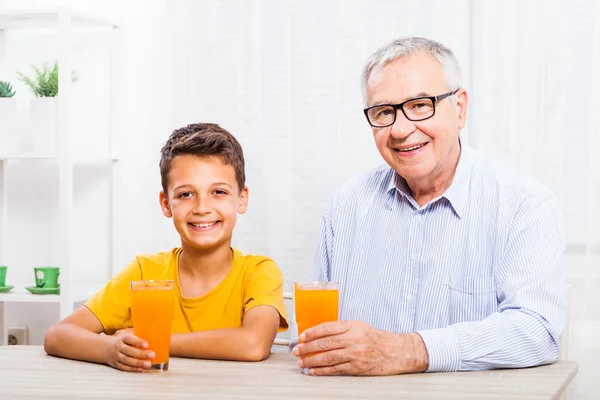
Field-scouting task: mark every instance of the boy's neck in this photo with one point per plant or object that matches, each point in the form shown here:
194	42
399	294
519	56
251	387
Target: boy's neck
205	265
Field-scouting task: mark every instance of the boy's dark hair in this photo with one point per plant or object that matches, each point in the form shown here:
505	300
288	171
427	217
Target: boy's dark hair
203	140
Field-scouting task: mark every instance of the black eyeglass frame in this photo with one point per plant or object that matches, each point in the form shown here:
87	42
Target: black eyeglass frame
434	100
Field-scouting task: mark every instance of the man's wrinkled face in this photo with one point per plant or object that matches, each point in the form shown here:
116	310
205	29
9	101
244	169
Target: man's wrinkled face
418	151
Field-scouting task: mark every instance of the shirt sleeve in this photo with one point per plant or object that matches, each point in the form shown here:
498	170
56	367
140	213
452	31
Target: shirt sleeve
530	288
265	287
112	304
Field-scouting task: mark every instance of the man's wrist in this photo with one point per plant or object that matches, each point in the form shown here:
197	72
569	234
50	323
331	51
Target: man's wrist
419	352
411	354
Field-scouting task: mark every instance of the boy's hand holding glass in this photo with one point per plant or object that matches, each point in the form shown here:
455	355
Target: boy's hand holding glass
128	352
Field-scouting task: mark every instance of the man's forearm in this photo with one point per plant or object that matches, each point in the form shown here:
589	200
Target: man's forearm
221	344
511	339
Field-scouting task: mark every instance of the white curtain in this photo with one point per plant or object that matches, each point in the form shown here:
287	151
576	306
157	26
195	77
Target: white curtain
283	76
535	85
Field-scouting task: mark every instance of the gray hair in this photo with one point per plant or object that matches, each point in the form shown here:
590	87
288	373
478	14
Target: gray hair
406	46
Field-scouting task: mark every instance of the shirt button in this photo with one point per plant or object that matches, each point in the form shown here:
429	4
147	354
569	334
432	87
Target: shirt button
413	257
409	297
418	217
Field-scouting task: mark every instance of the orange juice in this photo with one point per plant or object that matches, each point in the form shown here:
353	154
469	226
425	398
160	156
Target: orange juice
315	303
152	305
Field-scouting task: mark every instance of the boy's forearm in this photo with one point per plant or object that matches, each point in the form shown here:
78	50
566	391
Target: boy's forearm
221	344
72	341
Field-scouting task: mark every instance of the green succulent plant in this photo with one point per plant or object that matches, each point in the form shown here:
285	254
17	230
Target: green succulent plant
6	89
44	83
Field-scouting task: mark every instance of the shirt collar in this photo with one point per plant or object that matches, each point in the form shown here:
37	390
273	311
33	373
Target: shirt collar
398	183
456	194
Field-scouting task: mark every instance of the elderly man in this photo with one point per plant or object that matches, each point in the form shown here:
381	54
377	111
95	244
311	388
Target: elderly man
445	260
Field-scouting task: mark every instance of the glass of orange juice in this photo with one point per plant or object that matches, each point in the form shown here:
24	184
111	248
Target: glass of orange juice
315	303
152	305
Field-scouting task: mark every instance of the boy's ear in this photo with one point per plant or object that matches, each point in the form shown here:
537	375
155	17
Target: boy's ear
164	204
243	201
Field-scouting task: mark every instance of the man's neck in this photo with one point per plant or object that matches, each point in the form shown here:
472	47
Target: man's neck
425	190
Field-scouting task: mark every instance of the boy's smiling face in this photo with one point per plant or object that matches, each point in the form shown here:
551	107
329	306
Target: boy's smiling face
203	199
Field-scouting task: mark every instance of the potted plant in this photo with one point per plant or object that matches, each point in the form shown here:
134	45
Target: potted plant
8	111
6	90
44	85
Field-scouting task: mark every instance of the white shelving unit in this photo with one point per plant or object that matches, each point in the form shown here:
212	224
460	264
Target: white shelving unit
64	23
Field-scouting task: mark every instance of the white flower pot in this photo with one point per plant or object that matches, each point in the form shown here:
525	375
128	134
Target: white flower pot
8	122
43	119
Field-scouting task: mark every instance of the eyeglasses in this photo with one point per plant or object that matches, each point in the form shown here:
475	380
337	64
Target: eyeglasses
418	109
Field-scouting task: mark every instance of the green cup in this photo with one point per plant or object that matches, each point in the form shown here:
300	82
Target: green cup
3	269
46	277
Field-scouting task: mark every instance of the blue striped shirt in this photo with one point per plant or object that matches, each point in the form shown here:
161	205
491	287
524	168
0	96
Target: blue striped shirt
477	272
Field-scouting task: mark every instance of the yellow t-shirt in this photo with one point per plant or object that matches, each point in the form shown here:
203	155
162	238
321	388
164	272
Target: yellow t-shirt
252	281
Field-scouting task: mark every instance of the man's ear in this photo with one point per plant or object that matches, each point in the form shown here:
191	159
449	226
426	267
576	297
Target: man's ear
243	201
462	100
164	204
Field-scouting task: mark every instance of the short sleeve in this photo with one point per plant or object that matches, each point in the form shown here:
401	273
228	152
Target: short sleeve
112	304
264	287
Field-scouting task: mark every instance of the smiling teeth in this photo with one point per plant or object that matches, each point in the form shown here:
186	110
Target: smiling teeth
204	225
412	148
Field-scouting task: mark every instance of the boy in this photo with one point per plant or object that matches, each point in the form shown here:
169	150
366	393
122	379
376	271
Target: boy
228	305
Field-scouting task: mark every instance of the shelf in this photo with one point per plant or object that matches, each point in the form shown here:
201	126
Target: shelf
48	17
60	25
78	159
94	158
21	295
28	156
